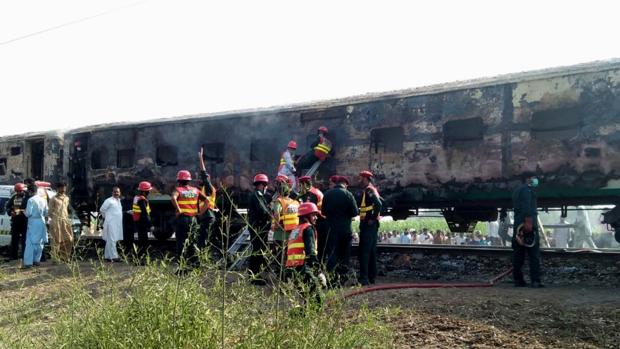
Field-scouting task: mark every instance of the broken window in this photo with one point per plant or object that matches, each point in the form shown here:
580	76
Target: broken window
560	123
214	152
387	140
16	151
463	130
125	158
99	159
2	166
166	155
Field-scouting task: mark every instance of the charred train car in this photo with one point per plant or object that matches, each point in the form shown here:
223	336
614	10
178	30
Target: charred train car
456	147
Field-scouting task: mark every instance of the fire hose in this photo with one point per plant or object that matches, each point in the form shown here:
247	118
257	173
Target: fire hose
490	283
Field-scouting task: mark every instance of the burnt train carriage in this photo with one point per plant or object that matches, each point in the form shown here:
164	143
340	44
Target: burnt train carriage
456	147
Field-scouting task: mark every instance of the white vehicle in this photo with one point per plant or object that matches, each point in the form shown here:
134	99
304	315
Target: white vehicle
6	191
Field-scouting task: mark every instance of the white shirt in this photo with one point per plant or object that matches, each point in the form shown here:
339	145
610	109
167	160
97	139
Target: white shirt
493	229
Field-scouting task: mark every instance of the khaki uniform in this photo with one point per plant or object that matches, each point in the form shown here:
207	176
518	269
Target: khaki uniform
60	232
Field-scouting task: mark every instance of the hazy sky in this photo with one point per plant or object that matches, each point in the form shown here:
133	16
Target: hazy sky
156	58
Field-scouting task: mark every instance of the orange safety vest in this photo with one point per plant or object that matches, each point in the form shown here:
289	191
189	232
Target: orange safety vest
319	196
135	208
367	208
210	198
295	251
188	200
322	149
288	214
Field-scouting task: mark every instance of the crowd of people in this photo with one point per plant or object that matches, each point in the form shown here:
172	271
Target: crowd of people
438	237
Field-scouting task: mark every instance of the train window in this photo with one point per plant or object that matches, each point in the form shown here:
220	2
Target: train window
167	155
2	166
125	158
98	159
560	123
471	129
258	150
387	140
214	152
16	151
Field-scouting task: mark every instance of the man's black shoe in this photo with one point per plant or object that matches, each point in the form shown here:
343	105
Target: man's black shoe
537	284
258	282
520	284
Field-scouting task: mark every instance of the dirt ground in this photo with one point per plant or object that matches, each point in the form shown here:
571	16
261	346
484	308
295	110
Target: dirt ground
559	316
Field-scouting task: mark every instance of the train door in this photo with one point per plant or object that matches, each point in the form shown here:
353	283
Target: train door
386	147
36	148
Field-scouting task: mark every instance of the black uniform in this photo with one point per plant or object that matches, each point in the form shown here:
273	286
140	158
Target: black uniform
525	205
19	224
128	225
369	228
339	207
259	218
207	219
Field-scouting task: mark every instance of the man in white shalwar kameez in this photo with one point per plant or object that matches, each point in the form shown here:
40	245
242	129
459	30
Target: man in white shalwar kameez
112	212
36	234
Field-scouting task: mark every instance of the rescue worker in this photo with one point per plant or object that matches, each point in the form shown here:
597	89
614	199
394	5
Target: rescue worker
370	210
60	231
525	238
284	215
36	234
301	254
185	200
259	219
287	163
206	211
582	230
16	207
321	148
141	211
339	208
309	193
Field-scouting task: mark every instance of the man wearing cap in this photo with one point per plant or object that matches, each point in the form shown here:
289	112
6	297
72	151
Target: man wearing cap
309	193
525	238
141	211
185	199
284	214
301	253
320	149
287	163
259	218
370	209
339	208
15	207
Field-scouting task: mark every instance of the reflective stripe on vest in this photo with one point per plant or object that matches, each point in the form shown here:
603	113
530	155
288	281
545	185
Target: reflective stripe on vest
188	200
135	208
210	198
288	213
363	207
323	148
319	197
295	251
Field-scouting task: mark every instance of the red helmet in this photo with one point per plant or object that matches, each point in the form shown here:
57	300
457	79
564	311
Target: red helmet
323	129
261	178
307	208
184	175
292	145
282	179
334	178
366	174
343	179
144	186
19	187
42	184
304	179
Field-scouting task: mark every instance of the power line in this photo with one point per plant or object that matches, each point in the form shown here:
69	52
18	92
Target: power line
71	23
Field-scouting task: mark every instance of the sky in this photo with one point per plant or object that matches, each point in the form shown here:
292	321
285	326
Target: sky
72	63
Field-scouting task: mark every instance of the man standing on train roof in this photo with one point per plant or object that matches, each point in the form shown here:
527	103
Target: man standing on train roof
301	252
284	214
339	208
16	207
206	211
370	210
141	211
309	193
259	219
185	200
526	238
287	163
320	149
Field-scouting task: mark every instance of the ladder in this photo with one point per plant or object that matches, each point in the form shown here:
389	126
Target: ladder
239	250
313	168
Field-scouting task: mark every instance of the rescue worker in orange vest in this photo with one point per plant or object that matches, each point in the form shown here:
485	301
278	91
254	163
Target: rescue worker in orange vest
287	163
320	149
141	211
206	211
309	193
301	254
185	200
370	209
284	214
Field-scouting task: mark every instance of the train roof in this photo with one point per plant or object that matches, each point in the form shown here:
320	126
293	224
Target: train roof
596	66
